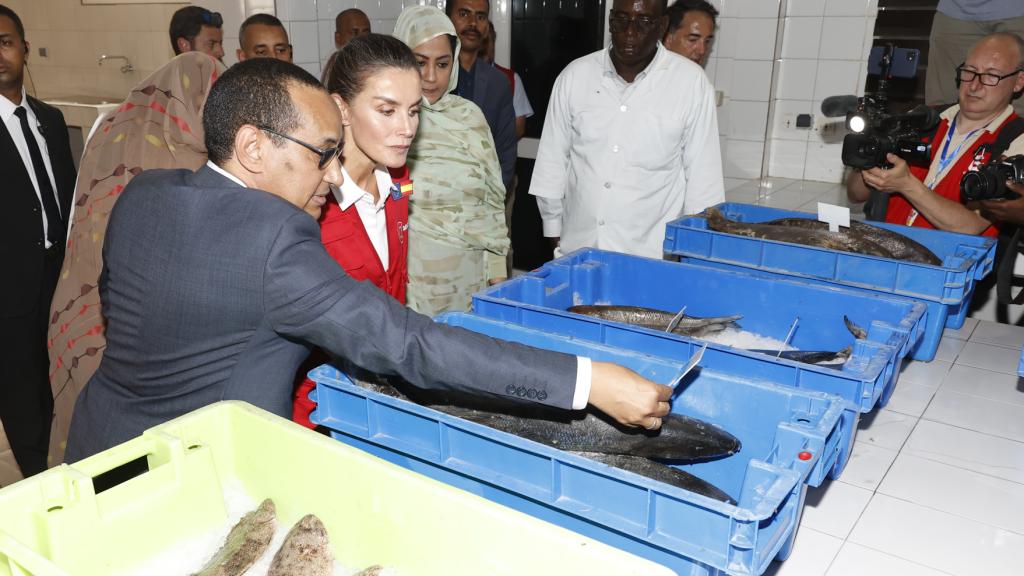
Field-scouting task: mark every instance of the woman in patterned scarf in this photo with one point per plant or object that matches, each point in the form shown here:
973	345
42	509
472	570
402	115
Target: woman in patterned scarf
457	233
158	126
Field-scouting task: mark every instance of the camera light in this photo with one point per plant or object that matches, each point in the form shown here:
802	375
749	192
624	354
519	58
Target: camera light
856	124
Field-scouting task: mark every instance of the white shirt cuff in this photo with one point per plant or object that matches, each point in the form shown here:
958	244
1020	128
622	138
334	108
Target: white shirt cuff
584	371
552	228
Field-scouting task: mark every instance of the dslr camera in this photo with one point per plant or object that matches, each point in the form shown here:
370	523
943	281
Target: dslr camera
989	181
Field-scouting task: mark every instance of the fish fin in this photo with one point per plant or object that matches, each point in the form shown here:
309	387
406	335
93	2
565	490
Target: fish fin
858	332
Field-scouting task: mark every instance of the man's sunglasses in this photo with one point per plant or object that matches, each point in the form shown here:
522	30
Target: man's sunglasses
212	18
326	154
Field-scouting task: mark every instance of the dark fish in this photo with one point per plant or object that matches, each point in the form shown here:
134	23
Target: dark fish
811	356
246	542
844	240
900	246
821	357
662	473
305	551
656	319
680	438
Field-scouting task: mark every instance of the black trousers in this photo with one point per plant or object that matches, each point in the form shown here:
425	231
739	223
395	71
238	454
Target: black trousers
26	402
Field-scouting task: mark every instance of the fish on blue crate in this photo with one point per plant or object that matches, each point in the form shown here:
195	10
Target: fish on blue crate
540	300
944	283
786	437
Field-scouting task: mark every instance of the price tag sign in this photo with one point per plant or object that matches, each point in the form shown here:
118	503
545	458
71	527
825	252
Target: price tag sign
834	216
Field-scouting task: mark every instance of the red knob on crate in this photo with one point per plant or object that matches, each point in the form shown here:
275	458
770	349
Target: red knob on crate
805	455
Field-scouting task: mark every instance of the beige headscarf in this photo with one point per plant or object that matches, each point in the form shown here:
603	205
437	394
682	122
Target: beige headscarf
457	233
418	24
159	125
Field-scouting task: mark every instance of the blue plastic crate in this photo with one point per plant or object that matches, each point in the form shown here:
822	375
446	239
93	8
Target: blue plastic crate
1020	365
787	436
591	276
945	289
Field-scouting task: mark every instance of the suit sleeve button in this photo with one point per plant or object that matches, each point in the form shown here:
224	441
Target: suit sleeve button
542	395
531	393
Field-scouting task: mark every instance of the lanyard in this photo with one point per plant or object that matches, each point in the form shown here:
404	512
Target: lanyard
944	160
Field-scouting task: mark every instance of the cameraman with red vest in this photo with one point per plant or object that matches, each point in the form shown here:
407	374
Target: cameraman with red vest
970	134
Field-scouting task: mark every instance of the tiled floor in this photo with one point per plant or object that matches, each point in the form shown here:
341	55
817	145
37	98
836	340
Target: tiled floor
935	484
787	194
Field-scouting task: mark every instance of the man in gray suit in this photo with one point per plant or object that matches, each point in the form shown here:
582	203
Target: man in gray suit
215	282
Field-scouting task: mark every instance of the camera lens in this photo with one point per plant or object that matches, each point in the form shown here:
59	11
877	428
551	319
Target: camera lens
982	185
971	185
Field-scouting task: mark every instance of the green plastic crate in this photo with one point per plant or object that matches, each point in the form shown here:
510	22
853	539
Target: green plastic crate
375	512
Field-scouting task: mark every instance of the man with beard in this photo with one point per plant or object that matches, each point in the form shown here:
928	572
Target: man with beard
480	83
630	141
196	29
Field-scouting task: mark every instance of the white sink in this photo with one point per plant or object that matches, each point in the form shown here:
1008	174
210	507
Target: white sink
82	100
81	110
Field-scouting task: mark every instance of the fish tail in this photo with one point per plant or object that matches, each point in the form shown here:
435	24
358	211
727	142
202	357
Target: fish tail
858	332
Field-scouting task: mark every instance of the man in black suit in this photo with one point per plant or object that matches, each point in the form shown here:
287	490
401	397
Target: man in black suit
215	282
38	176
481	83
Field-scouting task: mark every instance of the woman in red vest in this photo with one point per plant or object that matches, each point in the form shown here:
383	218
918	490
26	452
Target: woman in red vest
375	81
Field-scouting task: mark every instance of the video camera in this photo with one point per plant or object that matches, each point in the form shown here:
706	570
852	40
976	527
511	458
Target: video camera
874	132
989	181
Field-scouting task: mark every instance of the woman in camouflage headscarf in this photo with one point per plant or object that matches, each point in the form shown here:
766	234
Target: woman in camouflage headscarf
457	233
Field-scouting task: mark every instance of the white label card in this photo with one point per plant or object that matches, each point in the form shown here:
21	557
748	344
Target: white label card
834	216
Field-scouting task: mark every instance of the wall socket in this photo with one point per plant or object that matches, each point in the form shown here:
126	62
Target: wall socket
43	52
798	121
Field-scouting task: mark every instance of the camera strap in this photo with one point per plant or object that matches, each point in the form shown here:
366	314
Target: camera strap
1010	237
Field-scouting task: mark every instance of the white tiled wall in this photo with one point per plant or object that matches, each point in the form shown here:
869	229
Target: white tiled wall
824	53
234	13
740	66
75	35
310	24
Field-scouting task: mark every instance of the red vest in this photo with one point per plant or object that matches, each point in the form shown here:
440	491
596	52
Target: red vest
949	186
346	240
508	74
